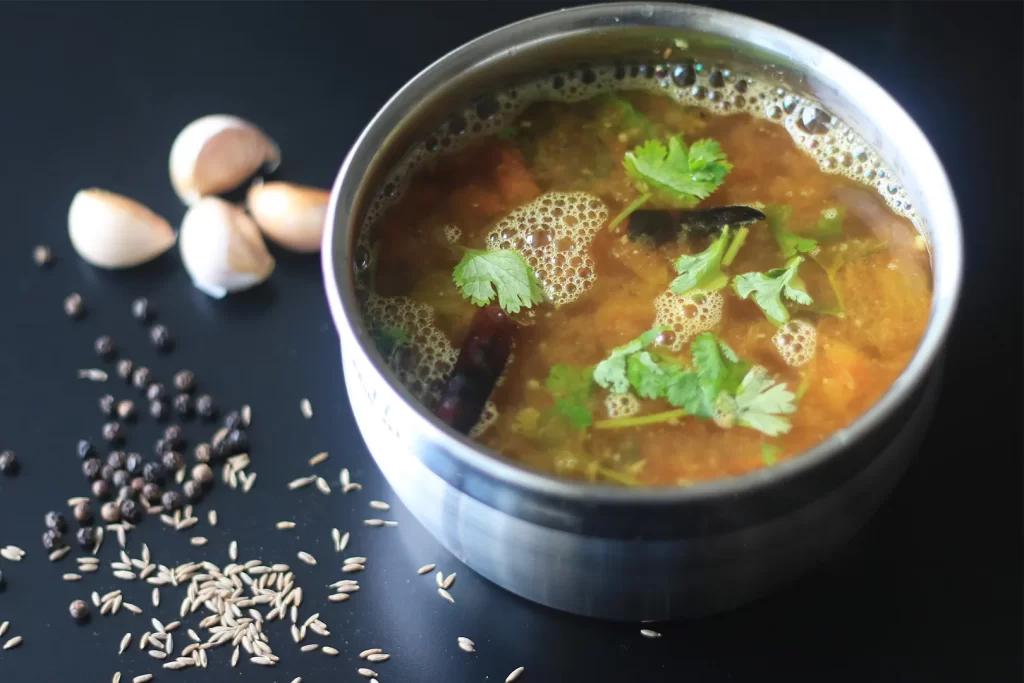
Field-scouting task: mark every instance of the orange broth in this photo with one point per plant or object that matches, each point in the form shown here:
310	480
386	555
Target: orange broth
885	289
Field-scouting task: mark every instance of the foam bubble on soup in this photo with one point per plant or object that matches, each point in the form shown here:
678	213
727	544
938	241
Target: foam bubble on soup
553	233
686	315
423	365
452	233
621	405
796	341
487	418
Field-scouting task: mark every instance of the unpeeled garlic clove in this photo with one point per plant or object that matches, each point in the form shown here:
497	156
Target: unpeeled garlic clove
222	248
110	230
217	153
291	215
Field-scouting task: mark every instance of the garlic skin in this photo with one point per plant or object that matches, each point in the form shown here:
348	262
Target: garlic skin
109	230
293	216
217	153
222	248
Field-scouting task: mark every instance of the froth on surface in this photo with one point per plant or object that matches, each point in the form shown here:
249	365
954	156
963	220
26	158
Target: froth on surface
553	233
797	342
487	418
424	365
686	315
621	405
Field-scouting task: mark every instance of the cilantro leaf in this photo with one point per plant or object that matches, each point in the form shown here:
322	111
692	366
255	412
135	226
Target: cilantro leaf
830	224
611	372
770	453
683	390
388	339
645	375
761	403
769	288
578	415
570	385
703	270
482	274
684	176
790	244
718	370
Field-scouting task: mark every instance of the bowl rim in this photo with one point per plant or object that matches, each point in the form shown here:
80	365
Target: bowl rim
467	453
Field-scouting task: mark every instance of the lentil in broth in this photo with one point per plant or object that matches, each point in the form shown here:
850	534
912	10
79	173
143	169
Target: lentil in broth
881	284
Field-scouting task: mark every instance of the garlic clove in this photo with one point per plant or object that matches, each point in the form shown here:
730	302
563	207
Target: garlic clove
222	248
217	153
110	230
291	215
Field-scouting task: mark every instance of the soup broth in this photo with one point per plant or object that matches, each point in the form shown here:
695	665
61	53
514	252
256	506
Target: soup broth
548	185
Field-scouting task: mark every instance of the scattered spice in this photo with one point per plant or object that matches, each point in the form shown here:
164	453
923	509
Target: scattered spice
155	391
141	377
79	610
104	346
182	405
9	464
74	305
126	410
158	410
125	367
141	309
111	512
205	407
106	404
113	432
42	256
83	512
86	537
160	337
306	407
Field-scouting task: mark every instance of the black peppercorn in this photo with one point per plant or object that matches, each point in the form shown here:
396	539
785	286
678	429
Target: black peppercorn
83	513
52	540
101	489
91	468
107	404
173	435
232	420
55	520
107	473
158	410
202	474
125	493
172	460
120	478
124	369
133	463
151	492
182	405
237	440
104	346
9	463
74	305
203	452
117	459
142	377
160	337
155	391
171	500
140	309
112	432
185	380
125	410
130	510
193	491
153	473
79	610
221	449
111	512
204	407
137	484
86	537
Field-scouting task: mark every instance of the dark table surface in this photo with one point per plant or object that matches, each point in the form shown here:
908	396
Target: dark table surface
93	94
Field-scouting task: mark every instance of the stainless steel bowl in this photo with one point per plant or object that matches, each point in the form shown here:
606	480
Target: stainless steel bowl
651	553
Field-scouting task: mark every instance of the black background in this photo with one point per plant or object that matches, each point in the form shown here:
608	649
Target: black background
93	95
